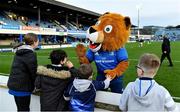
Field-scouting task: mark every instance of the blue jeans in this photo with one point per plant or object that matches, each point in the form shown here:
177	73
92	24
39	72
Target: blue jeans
116	85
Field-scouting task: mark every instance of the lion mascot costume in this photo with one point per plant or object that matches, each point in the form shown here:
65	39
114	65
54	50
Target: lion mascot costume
107	39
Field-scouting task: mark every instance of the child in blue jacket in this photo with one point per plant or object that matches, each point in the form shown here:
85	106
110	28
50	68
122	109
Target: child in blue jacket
82	91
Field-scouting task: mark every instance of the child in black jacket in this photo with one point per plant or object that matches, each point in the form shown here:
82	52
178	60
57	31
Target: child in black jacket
52	80
23	72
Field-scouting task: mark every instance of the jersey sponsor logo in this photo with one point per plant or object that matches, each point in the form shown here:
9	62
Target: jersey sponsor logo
104	61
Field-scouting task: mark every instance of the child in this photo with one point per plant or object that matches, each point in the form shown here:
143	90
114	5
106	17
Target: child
23	72
82	91
53	83
145	94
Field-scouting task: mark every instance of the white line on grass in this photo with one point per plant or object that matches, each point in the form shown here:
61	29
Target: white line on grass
3	74
177	61
165	60
177	98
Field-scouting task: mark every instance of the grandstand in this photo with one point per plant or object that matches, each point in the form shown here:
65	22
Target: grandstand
173	34
54	22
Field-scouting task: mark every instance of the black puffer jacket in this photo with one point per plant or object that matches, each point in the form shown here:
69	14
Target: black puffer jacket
52	81
166	46
23	70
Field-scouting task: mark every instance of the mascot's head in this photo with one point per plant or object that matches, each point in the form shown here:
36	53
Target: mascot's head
110	32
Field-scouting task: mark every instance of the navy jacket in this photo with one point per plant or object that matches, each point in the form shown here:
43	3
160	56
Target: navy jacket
23	70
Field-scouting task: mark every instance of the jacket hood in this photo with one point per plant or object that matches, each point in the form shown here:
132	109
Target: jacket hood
81	84
41	70
142	91
23	49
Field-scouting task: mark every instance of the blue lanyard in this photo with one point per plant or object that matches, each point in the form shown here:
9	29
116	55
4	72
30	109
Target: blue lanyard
147	89
140	88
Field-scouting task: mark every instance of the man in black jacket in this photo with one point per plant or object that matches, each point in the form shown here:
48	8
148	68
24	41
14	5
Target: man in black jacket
166	51
23	72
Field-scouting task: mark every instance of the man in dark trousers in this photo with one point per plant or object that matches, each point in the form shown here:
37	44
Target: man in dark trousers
166	51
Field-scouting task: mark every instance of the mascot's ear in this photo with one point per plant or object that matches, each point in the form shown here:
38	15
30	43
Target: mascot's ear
127	22
106	13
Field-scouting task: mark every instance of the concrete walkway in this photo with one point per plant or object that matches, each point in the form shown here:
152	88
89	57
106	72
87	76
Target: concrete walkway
7	102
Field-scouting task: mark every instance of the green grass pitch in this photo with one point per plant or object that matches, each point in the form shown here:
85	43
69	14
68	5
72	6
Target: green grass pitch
169	77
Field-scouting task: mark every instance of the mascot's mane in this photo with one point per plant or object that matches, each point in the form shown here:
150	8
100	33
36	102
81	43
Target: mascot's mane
120	31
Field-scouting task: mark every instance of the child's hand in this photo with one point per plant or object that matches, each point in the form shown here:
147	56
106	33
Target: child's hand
69	64
108	77
111	73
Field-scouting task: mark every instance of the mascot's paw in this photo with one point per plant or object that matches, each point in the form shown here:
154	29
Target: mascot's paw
111	73
81	54
83	60
80	50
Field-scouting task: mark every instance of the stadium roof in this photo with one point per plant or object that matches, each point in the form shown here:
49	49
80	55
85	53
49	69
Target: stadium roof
55	2
49	9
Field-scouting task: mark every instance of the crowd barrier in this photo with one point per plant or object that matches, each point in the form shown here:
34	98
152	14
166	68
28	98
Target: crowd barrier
105	101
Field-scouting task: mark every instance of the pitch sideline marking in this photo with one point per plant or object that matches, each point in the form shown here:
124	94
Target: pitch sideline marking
177	61
3	74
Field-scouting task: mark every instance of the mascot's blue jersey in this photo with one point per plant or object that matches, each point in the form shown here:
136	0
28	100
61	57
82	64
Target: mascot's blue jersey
107	60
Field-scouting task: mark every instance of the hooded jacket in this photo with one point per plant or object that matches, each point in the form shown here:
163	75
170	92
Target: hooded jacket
23	70
146	94
52	81
82	93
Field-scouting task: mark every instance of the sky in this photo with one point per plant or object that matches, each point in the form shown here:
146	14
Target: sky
151	12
